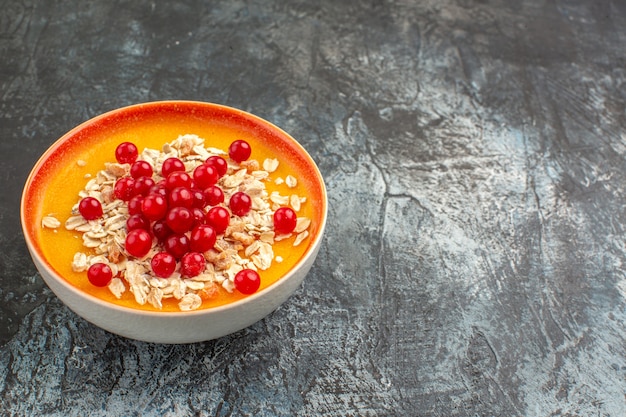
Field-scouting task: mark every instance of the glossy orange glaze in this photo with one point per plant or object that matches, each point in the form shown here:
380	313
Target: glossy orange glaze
57	178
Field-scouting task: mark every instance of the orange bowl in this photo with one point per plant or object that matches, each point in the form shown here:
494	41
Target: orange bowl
56	178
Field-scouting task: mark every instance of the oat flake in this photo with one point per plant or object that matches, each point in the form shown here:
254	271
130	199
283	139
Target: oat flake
50	222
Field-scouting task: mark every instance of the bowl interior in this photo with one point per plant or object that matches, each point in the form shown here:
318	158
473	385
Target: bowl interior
161	122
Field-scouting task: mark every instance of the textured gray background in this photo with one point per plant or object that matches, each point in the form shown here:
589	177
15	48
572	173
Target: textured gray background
475	158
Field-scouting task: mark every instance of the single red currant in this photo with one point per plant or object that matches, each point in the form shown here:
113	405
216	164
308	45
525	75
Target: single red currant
124	188
180	197
171	165
247	281
199	216
218	218
219	163
137	221
240	203
205	175
179	219
285	220
161	230
192	264
178	179
159	188
214	195
154	207
126	153
239	150
90	208
99	274
138	243
142	186
202	238
177	245
141	169
163	264
199	200
134	205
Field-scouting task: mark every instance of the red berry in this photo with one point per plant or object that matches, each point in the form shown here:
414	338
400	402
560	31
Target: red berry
142	186
138	243
218	218
214	195
285	220
126	153
90	208
192	264
205	175
239	150
240	203
141	169
161	230
171	165
199	200
124	188
134	205
159	188
179	219
154	207
247	281
219	163
177	245
163	264
178	179
181	197
199	216
202	238
99	274
137	221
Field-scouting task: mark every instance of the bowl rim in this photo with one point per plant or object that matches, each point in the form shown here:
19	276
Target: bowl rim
35	252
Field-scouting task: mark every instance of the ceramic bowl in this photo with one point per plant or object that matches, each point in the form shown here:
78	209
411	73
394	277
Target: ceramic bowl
174	326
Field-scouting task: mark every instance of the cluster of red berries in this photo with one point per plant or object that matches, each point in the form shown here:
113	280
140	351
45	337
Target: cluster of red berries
184	212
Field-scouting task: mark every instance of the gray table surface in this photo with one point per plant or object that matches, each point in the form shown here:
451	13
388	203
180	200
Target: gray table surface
475	159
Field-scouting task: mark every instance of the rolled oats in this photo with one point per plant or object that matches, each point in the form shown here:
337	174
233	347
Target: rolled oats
116	170
140	292
300	238
302	223
154	297
281	200
270	164
251	165
88	242
50	222
74	221
262	259
194	285
291	181
246	243
191	301
117	287
267	237
283	236
80	262
232	181
228	285
294	202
